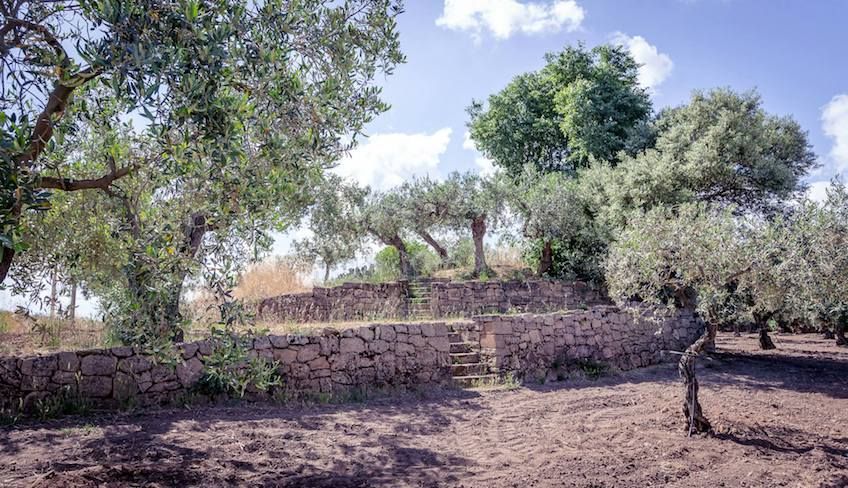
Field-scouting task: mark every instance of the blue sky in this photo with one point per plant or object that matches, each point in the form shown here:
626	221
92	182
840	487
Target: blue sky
793	52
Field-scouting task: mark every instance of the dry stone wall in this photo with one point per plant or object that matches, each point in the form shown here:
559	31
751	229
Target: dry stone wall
358	301
467	298
533	344
377	356
400	355
351	301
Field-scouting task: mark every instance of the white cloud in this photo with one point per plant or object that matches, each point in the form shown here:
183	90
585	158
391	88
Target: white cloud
817	190
835	125
387	160
504	18
655	66
485	166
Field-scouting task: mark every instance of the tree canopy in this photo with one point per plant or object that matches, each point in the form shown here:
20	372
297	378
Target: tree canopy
584	104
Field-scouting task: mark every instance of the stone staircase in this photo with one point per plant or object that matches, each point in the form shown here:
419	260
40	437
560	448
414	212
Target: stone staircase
419	300
467	368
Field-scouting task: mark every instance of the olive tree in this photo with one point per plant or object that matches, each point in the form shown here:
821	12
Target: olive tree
247	103
694	256
334	221
426	204
224	83
549	209
381	220
477	204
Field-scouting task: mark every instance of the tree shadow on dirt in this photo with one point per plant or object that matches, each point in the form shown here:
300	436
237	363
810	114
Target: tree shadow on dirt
764	372
167	447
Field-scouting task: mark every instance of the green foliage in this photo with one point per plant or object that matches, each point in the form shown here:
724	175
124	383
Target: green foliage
230	151
386	262
334	221
66	401
583	105
720	148
230	370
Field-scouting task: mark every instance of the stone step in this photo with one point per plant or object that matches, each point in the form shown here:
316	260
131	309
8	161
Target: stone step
475	381
470	369
465	357
458	347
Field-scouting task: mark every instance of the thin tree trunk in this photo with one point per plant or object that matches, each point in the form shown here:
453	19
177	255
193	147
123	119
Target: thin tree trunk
72	308
440	250
478	232
53	281
694	416
546	261
6	261
326	272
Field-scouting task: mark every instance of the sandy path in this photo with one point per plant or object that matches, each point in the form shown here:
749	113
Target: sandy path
781	420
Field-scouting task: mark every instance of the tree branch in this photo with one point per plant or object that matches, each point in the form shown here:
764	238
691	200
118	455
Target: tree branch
70	184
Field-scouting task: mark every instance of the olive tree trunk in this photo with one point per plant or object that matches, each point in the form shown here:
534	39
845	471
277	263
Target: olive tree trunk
478	232
546	261
761	320
692	412
407	270
440	250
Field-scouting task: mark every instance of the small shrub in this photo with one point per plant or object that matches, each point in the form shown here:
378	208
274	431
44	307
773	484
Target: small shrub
64	402
229	370
593	369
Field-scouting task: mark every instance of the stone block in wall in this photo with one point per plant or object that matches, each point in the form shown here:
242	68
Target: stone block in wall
98	365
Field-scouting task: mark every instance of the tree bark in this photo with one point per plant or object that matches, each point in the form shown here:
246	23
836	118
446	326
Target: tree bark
440	250
326	272
407	270
839	333
6	261
761	320
546	261
692	412
72	308
53	280
478	232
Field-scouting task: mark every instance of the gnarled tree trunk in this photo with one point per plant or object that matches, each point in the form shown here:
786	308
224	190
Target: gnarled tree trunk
695	419
407	270
440	250
761	320
839	333
546	261
478	231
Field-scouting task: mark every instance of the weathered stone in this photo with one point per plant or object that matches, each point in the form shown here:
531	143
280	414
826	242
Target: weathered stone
189	372
124	386
285	356
39	366
95	386
162	373
122	351
135	364
351	345
68	361
319	363
308	353
366	333
261	342
98	365
188	350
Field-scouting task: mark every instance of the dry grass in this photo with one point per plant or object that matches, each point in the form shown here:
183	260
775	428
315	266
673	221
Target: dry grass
283	328
271	278
21	336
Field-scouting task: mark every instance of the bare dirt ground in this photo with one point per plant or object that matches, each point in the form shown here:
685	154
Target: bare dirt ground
781	419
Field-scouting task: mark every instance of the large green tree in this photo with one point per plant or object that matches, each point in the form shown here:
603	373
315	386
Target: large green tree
247	103
584	104
224	82
722	147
